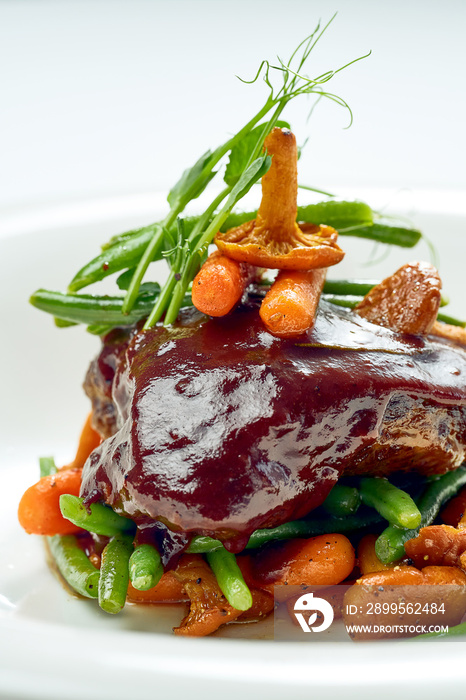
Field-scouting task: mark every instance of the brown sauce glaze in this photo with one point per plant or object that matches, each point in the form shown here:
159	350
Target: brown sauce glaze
222	429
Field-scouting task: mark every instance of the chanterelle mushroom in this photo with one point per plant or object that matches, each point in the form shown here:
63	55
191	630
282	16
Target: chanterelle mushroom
274	239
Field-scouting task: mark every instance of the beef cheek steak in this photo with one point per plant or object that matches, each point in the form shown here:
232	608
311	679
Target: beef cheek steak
215	427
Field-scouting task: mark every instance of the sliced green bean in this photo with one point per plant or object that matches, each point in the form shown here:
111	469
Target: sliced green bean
145	567
98	518
390	544
392	503
114	574
47	466
230	579
295	529
342	500
74	565
90	309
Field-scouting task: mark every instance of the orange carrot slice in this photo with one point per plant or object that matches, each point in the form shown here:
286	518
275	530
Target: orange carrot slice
39	509
290	305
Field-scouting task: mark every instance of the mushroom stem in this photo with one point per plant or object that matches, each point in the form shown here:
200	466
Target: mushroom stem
273	239
278	209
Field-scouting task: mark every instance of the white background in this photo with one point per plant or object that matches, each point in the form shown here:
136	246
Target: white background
115	97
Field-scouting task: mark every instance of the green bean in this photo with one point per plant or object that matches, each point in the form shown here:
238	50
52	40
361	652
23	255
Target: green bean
61	323
392	503
203	544
339	214
351	300
348	223
313	527
294	529
353	290
356	287
98	518
145	234
114	574
99	329
347	300
455	631
451	320
342	500
118	257
90	309
74	565
333	213
124	252
47	466
145	567
385	233
390	544
230	579
350	218
137	237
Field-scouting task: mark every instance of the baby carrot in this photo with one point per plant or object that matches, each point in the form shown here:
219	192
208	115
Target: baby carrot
220	283
39	509
88	441
167	590
367	557
455	509
289	306
445	330
324	560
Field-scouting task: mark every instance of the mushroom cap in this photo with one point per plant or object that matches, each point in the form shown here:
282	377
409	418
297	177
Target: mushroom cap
306	247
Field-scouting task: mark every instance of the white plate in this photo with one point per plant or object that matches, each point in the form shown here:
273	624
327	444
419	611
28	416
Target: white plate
53	645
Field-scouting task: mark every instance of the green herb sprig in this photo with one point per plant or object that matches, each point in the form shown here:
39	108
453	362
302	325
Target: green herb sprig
246	166
183	241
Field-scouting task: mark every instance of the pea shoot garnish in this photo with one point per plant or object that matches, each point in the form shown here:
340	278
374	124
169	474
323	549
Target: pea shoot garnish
183	241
